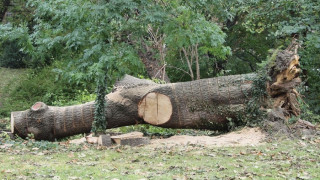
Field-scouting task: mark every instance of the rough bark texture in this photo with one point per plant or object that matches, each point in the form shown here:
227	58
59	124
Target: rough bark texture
202	104
3	8
50	122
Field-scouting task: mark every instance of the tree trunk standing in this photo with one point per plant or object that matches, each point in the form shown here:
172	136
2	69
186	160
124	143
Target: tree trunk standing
201	104
153	67
189	62
4	4
197	61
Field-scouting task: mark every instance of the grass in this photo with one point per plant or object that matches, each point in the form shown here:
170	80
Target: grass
298	159
9	77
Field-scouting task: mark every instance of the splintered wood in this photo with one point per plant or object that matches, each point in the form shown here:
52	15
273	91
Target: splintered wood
155	108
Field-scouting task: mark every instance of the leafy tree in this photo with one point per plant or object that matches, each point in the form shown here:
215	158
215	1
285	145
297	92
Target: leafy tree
79	32
11	56
285	19
192	34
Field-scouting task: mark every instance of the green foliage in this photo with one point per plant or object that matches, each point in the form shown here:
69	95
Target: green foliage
287	18
190	28
258	94
41	145
253	115
79	32
17	12
194	39
15	44
148	130
155	131
100	122
311	64
4	123
11	56
43	85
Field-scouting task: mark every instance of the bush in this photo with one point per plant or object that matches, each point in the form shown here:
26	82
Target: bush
43	85
11	56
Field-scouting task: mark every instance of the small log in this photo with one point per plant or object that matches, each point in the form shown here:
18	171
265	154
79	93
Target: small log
104	140
119	138
91	139
135	141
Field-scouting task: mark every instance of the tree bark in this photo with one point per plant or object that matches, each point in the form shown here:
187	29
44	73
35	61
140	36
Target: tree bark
204	104
4	4
201	104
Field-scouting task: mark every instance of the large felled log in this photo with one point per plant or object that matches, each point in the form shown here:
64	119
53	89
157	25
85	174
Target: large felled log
203	104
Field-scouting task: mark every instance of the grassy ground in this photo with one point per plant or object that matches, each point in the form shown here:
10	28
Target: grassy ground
287	159
8	79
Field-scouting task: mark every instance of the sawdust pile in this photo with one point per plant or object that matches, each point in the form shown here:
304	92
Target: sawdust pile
244	137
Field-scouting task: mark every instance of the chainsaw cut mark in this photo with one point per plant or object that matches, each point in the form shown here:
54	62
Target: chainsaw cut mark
155	108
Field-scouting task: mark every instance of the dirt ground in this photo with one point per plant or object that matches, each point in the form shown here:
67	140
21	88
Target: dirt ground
244	137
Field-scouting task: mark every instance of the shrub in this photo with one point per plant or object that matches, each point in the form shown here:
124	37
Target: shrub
43	85
11	56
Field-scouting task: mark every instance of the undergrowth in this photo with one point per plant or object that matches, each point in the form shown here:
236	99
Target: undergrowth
154	131
42	85
258	97
258	94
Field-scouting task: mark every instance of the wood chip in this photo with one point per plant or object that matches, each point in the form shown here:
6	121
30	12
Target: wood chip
78	141
104	140
91	139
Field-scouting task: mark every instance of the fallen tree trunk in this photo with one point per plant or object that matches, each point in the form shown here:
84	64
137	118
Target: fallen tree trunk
202	104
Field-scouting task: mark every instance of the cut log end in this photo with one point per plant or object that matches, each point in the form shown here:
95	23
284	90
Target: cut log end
104	140
12	122
155	108
38	106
